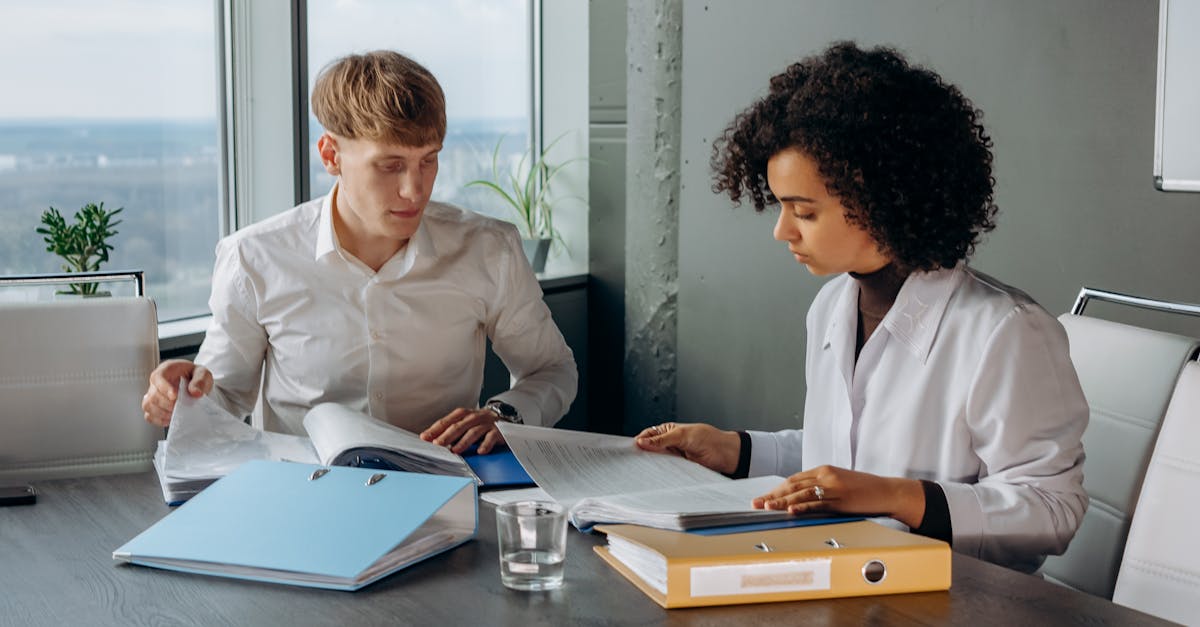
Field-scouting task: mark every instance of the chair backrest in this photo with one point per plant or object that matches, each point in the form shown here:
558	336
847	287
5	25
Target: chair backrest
1160	572
72	375
1127	374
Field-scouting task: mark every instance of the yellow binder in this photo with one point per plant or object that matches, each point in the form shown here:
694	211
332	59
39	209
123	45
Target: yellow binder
840	560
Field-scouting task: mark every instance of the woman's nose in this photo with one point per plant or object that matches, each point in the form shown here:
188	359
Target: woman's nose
784	230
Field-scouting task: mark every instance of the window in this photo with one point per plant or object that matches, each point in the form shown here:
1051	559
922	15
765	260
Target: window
114	102
479	50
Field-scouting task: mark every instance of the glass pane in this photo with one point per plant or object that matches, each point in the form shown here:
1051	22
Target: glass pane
479	52
113	102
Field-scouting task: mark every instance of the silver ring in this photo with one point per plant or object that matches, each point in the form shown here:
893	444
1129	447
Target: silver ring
820	492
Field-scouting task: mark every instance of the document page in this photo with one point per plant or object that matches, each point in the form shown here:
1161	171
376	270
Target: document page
572	465
204	441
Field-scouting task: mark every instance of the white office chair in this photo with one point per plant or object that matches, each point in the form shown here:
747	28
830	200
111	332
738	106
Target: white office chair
1128	374
1160	572
72	375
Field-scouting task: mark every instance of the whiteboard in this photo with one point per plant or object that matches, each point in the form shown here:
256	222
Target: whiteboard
1177	115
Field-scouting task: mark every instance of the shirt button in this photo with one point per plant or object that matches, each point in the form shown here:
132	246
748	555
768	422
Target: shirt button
379	396
376	335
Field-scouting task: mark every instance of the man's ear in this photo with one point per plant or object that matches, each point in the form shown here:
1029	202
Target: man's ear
328	149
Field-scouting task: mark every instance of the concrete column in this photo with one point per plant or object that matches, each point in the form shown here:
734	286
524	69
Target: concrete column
655	43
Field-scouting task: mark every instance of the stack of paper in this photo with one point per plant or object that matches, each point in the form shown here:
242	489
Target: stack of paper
205	443
607	478
176	488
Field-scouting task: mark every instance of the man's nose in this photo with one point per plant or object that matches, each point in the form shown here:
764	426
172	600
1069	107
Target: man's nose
410	185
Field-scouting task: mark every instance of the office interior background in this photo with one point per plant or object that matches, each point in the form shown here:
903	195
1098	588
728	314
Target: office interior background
142	105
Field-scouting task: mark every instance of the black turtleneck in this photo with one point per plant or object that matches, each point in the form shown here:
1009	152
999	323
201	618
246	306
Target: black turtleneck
876	294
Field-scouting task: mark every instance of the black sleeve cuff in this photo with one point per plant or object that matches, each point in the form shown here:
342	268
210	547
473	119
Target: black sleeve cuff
743	466
936	522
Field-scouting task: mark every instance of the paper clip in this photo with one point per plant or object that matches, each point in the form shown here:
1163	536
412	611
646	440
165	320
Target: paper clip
376	478
317	474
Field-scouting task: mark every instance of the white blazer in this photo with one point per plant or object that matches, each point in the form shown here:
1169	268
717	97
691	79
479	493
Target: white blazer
967	382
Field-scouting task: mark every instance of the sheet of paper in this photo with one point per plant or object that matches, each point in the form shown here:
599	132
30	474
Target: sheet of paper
572	465
205	441
500	497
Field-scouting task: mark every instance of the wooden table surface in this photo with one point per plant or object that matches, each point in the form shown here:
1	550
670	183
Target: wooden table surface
56	568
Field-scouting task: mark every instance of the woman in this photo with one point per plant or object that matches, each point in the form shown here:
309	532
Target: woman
937	395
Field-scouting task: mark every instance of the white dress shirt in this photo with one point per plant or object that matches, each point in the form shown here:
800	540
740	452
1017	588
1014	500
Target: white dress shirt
966	382
405	344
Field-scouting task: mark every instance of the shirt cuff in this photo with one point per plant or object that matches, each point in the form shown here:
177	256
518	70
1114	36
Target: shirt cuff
527	407
764	459
743	464
936	521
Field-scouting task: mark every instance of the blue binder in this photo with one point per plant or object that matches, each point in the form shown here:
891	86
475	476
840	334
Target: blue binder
326	527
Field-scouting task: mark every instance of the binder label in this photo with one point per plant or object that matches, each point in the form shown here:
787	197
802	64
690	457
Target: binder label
760	578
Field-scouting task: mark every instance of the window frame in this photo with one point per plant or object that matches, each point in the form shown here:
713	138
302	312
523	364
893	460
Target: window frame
265	157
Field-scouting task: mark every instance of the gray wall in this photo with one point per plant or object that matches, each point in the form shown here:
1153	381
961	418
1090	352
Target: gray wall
1067	88
606	217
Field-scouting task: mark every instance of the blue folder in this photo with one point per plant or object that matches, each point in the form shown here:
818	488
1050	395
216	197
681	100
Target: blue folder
349	527
498	469
774	524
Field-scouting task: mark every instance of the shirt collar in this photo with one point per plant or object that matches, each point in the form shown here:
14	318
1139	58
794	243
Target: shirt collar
326	237
913	319
916	315
420	244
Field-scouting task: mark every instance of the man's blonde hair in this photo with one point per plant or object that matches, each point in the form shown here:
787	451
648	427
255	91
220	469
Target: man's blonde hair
381	96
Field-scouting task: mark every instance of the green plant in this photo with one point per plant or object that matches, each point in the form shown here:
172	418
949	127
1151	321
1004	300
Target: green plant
83	244
526	188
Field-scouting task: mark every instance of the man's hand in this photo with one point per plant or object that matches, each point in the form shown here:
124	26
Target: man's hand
701	443
463	427
829	488
159	401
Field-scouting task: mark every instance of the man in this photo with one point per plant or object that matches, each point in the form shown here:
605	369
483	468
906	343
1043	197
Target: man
372	296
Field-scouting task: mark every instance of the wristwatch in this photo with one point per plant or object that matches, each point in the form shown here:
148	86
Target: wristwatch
506	412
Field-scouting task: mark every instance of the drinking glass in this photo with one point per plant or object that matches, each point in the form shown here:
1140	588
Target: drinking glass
533	541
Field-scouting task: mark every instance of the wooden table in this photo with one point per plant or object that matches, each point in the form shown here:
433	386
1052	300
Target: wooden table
56	568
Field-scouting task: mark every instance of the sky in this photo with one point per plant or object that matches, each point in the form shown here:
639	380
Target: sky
156	59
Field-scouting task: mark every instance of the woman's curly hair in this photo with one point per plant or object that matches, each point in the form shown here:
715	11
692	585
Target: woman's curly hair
903	151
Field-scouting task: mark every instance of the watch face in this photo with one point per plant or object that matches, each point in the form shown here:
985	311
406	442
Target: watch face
508	412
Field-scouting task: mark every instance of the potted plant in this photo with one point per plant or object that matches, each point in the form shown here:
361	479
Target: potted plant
526	189
83	244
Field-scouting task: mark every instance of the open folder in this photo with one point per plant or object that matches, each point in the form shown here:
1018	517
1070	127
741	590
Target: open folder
340	528
840	560
205	442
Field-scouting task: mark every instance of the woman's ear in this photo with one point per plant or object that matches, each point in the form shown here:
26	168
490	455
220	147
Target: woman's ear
327	147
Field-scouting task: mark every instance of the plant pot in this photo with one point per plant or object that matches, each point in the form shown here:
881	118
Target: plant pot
535	252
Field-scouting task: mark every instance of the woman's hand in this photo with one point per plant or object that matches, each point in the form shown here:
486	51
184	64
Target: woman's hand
833	489
704	444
